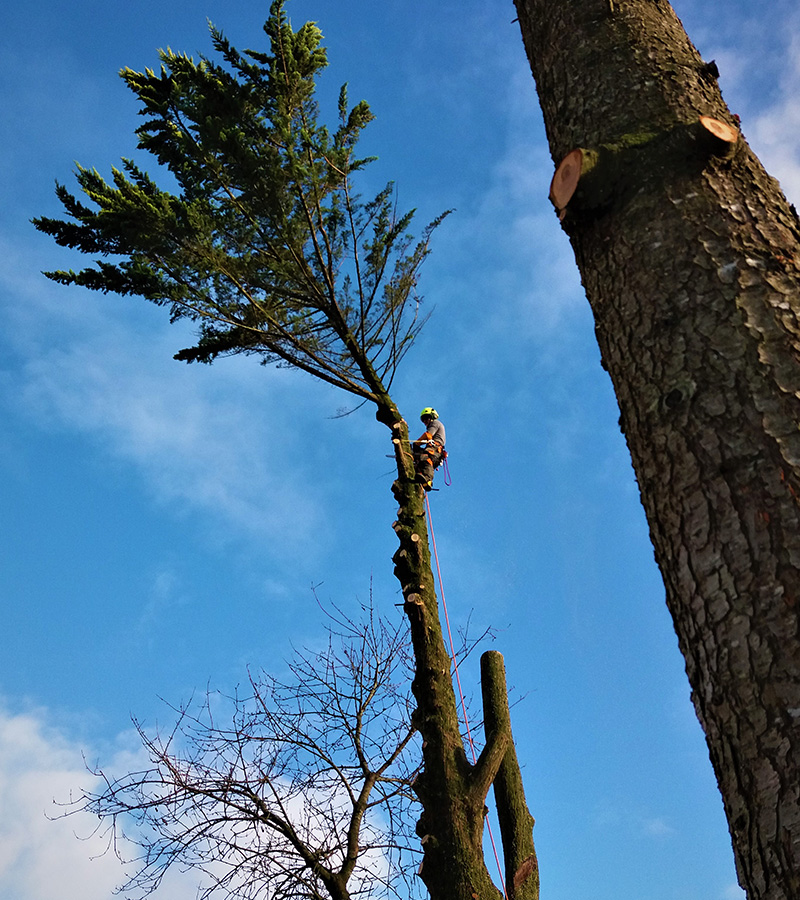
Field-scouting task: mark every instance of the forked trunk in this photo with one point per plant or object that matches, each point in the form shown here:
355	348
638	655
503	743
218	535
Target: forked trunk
451	789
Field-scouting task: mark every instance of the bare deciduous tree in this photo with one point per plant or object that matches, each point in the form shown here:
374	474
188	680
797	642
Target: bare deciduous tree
299	786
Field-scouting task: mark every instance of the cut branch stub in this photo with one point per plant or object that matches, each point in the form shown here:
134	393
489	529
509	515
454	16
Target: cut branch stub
720	130
575	165
566	178
720	138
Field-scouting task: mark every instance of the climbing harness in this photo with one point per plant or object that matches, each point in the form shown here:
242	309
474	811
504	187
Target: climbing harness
445	465
455	669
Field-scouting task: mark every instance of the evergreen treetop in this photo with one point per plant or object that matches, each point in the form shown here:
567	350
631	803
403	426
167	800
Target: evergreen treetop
264	243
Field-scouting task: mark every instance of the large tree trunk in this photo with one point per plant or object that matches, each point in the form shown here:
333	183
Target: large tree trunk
451	789
689	255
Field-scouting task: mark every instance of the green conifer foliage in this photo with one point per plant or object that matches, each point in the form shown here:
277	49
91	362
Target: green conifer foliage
264	244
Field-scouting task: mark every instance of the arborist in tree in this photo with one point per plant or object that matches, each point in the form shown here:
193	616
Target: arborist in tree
429	447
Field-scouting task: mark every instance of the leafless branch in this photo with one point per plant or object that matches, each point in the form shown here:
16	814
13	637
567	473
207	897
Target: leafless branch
296	786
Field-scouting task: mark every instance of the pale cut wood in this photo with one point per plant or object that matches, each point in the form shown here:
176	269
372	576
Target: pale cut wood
566	178
720	129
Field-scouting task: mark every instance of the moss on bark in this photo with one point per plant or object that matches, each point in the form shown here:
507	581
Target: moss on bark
693	275
452	790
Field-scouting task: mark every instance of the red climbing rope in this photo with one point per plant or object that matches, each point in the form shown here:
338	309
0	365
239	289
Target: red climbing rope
446	469
458	678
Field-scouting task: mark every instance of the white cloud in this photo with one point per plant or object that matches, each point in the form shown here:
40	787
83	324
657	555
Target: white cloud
775	134
536	252
197	444
211	439
657	828
760	78
505	245
733	892
43	855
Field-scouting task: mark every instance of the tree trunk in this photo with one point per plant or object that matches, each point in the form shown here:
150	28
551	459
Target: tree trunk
689	255
516	822
451	790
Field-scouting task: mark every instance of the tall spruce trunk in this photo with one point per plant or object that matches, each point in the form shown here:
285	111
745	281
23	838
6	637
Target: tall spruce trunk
689	254
451	789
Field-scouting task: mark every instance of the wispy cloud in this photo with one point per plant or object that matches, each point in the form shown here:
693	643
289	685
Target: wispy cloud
775	134
733	892
200	438
41	853
760	78
166	594
657	828
531	284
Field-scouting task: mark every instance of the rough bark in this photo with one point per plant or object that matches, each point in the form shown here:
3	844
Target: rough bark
689	255
452	790
516	822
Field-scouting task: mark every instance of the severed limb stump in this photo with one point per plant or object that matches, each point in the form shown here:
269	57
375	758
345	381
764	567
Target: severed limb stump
574	166
718	137
591	178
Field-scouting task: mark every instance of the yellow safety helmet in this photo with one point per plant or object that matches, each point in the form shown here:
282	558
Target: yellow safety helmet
429	411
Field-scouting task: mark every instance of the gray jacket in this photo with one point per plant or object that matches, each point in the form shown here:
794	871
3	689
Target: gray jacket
436	431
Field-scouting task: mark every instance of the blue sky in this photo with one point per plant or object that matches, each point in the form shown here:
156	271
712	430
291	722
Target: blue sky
163	525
